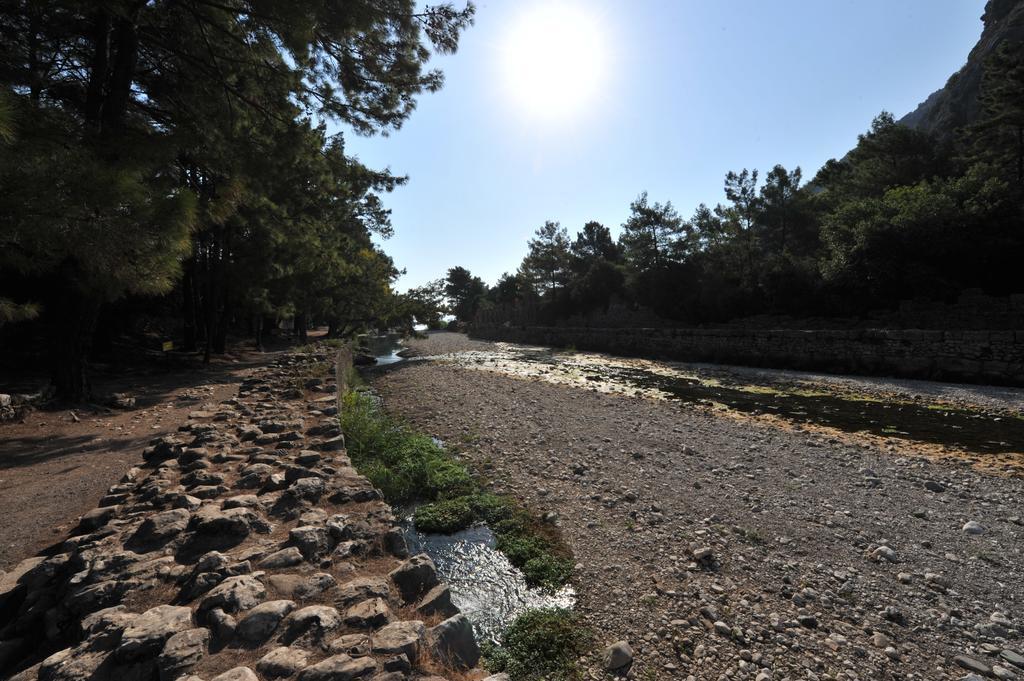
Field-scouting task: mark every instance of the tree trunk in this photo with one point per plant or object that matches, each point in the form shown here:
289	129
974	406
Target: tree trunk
299	327
209	304
188	294
76	314
259	332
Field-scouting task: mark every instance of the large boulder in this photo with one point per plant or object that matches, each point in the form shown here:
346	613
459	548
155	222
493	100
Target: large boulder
260	622
313	620
160	528
182	652
400	638
146	634
369	614
415	577
234	594
454	643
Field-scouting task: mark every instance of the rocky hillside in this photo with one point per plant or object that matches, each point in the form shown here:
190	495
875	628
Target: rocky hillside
956	104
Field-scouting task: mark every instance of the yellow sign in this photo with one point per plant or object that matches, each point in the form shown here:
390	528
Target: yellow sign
168	346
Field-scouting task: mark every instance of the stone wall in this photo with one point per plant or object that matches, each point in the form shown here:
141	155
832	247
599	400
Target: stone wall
244	548
973	356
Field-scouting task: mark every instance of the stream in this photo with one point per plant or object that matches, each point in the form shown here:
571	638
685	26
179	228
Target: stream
485	586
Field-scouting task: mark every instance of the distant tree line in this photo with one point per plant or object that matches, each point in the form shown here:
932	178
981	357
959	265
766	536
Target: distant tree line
174	157
903	215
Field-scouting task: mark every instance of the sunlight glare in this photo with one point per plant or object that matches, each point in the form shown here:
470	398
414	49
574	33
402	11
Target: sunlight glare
554	60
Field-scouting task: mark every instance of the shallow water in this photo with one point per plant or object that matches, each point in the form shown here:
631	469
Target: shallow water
384	349
485	586
973	431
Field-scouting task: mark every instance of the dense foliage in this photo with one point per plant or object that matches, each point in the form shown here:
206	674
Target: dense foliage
903	215
179	151
541	644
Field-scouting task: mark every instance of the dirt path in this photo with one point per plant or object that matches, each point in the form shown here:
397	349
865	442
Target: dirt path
722	546
56	464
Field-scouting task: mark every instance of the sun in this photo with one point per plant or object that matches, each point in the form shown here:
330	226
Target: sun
554	60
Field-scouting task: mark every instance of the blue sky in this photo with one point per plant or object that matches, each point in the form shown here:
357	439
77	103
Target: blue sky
683	91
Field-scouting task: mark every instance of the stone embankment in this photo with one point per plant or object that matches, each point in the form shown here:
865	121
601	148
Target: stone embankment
993	357
244	547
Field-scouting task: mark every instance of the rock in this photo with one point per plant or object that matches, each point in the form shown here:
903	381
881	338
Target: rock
1014	658
618	657
237	674
223	624
302	588
972	665
12	584
281	559
453	642
311	540
933	486
259	623
498	677
356	645
361	588
884	553
182	652
309	489
233	522
369	614
97	518
281	662
234	594
335	444
148	632
161	527
71	664
1003	673
242	501
415	577
313	619
339	668
404	638
808	621
437	601
973	527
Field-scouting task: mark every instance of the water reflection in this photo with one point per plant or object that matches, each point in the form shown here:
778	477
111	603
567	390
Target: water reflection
485	586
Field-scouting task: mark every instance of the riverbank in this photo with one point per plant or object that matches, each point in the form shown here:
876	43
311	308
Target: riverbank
721	545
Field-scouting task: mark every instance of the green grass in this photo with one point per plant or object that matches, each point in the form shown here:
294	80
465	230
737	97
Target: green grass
409	468
541	644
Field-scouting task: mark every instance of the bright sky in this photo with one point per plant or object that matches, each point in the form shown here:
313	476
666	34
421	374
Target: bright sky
671	95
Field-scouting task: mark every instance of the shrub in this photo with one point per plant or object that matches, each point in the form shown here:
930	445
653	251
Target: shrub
540	644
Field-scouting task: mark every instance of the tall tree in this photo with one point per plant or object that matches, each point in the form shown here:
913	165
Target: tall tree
650	234
464	292
595	241
547	262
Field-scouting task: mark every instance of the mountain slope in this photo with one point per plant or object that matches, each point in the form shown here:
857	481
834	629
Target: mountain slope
956	104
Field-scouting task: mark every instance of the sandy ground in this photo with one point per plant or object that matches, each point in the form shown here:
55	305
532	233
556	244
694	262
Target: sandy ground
728	548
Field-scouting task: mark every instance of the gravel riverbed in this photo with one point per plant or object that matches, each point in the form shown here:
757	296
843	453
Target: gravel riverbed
730	548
